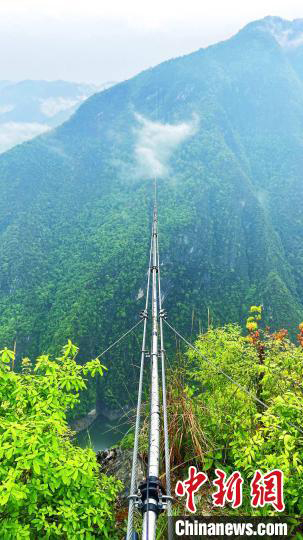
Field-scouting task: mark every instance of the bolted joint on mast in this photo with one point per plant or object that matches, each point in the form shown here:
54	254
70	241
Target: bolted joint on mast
152	496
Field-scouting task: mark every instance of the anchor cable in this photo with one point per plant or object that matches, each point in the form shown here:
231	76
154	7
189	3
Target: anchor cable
120	339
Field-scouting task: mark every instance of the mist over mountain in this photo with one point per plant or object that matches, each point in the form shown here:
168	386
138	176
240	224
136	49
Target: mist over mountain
223	130
28	108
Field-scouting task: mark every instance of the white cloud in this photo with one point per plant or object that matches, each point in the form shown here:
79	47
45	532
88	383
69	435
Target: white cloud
52	106
98	41
287	40
6	108
12	133
155	14
287	34
156	143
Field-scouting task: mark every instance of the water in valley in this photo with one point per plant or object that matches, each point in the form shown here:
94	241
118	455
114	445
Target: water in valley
103	433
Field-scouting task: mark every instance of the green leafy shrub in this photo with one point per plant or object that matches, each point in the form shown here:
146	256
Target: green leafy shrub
244	435
49	488
127	443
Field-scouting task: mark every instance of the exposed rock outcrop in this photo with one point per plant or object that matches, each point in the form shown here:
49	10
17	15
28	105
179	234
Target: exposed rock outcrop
118	462
84	422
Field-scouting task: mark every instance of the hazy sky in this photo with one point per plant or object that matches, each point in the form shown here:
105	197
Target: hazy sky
104	40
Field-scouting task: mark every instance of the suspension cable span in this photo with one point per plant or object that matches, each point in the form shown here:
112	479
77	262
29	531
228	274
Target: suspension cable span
164	404
133	482
150	506
254	398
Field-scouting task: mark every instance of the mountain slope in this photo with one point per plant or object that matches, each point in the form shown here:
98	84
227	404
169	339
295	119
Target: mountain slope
223	127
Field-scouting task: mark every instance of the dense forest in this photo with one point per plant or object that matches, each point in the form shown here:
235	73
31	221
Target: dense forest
76	204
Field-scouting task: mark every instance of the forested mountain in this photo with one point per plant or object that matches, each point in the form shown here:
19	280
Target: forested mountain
223	129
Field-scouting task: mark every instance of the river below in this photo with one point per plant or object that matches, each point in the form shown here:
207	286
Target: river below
103	433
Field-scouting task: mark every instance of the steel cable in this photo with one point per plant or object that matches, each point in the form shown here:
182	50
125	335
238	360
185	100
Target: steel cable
165	419
120	338
133	482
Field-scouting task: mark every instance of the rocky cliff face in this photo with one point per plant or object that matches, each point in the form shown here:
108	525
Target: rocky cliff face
118	462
